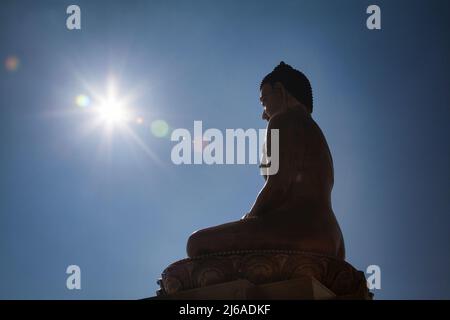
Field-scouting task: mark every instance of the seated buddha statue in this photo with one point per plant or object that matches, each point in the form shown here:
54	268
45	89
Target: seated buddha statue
293	210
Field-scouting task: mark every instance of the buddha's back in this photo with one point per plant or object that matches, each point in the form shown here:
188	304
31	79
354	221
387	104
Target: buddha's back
305	206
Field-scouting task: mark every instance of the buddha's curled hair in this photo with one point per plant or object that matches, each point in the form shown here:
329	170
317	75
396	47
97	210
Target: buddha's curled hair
295	82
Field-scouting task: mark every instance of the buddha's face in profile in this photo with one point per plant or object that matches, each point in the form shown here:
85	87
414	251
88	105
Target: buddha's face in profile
276	99
271	99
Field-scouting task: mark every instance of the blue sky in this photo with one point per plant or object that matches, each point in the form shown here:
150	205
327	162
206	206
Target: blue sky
70	197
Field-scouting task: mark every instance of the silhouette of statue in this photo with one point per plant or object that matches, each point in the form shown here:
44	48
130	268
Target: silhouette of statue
293	210
289	246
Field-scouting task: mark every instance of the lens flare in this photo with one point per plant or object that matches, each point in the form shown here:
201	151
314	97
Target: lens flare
12	63
82	101
199	144
159	128
139	120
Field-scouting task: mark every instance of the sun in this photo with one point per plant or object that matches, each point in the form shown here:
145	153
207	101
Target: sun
110	109
112	112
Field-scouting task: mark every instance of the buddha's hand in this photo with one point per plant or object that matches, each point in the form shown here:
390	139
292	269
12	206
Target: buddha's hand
248	215
245	216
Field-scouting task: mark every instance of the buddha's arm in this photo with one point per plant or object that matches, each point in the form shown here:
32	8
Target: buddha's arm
269	198
291	149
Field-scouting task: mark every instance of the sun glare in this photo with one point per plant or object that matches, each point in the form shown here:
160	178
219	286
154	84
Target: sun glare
112	110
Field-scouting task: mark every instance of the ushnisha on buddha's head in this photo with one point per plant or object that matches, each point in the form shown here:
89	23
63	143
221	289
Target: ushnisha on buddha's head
285	88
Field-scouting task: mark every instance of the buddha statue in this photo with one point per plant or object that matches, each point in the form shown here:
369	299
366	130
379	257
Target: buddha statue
293	210
289	245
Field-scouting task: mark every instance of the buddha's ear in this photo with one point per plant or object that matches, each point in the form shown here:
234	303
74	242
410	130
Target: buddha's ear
278	86
281	90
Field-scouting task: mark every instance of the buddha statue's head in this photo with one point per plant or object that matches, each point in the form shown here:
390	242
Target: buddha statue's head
285	88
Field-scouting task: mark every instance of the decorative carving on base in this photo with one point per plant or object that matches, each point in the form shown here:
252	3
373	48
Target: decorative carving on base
263	267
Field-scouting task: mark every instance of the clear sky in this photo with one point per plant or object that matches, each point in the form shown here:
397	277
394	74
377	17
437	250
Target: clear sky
115	204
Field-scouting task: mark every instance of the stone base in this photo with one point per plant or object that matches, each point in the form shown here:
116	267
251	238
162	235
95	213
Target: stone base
303	288
283	275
